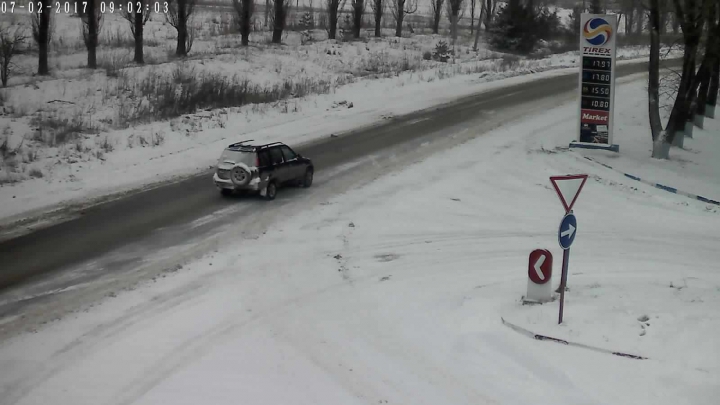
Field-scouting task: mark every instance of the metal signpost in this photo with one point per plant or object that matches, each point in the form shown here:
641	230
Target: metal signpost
568	189
598	33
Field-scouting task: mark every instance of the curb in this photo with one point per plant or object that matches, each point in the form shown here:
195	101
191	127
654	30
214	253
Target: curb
536	336
658	185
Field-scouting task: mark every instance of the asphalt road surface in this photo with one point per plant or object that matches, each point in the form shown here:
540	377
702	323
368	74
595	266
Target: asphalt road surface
154	230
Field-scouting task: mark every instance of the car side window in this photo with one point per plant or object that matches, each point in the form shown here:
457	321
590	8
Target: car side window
288	153
276	156
264	159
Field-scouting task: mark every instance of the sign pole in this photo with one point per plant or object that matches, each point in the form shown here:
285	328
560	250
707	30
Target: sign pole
568	189
563	283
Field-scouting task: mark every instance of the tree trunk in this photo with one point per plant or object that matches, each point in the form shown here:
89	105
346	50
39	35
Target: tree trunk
333	20
92	39
640	20
378	18
181	49
660	146
472	15
702	93
679	114
357	17
44	39
663	21
139	27
437	13
245	21
279	23
477	32
629	21
453	28
267	12
488	14
711	94
712	52
714	86
399	20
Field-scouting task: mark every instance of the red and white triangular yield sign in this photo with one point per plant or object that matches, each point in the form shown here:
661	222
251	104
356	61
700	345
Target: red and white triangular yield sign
568	188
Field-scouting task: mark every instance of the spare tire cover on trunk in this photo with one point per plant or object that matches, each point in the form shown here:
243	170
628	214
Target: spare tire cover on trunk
240	174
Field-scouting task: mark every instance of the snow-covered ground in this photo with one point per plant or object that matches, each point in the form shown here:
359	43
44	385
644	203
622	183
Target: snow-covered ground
78	135
393	292
37	178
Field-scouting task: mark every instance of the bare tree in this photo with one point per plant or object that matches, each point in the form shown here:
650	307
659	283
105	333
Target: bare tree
42	33
477	31
714	84
244	10
178	15
137	17
700	86
267	12
358	9
639	17
689	13
665	8
399	9
627	8
473	6
489	7
436	7
332	10
280	12
660	146
378	7
91	22
455	10
10	41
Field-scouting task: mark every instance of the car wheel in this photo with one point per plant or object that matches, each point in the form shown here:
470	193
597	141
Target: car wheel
271	191
226	192
308	179
239	176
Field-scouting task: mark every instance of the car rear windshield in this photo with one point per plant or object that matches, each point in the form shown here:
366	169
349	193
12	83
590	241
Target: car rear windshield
238	157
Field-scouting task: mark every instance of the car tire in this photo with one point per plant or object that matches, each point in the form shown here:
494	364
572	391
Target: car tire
240	176
226	192
271	191
308	178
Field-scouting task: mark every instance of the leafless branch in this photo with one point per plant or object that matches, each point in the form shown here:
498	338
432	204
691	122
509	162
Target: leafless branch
10	41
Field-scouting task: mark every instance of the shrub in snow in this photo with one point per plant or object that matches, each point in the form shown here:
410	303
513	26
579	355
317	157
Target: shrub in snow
442	52
427	55
518	28
307	21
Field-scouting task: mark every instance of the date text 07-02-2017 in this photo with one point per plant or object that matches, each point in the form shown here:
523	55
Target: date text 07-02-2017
68	7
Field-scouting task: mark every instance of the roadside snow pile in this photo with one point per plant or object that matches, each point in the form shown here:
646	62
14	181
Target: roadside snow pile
393	293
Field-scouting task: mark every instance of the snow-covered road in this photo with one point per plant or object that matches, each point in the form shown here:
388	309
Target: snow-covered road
393	292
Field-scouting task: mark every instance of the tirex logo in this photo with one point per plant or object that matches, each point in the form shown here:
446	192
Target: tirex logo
594	117
590	50
597	31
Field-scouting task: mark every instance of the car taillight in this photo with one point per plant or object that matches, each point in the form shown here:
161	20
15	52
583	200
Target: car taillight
257	161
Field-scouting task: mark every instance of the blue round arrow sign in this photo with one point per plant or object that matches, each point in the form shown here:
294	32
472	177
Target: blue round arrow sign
567	231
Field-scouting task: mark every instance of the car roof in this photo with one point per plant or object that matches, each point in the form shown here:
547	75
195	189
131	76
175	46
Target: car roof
242	146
